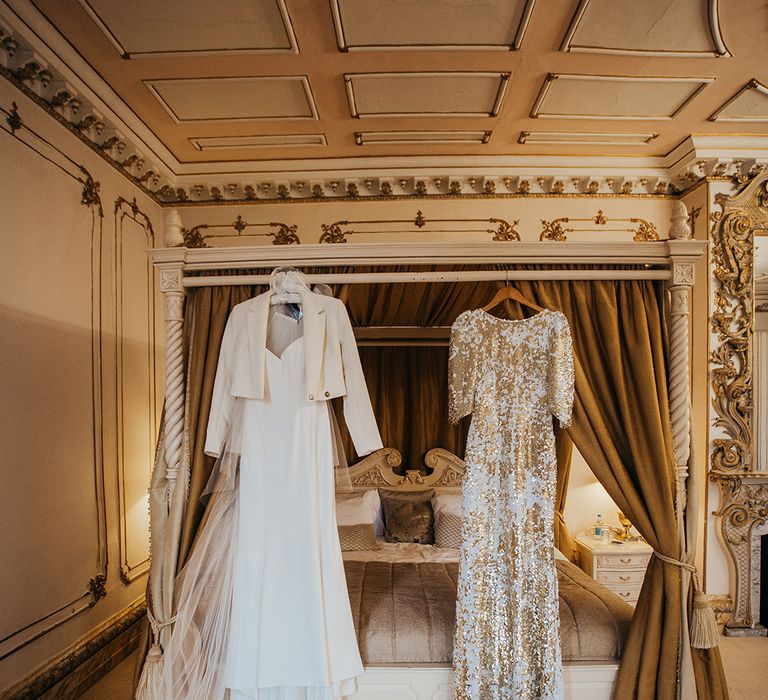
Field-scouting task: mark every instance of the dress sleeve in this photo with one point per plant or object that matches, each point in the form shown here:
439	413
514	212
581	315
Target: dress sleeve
358	412
462	370
560	379
222	401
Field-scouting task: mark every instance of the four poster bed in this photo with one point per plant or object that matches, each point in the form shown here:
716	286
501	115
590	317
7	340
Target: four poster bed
403	599
634	434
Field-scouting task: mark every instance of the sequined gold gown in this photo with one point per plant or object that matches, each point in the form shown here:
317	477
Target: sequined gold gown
512	376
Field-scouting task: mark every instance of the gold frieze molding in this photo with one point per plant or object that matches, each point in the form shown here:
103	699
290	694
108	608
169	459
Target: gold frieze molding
283	234
556	230
500	229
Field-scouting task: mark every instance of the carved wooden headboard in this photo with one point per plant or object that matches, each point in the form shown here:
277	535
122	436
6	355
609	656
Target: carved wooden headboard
446	471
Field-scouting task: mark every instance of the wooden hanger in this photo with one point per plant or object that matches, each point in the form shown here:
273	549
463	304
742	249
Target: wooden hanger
510	292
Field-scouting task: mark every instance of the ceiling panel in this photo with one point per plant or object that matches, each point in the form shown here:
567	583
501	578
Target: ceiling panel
185	95
750	104
614	97
414	24
228	99
661	27
367	138
594	138
212	143
425	94
147	27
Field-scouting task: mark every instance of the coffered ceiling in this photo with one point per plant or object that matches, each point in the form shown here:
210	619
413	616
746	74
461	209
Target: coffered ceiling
288	80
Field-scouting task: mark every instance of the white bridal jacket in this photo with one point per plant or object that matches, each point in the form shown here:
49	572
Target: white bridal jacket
332	366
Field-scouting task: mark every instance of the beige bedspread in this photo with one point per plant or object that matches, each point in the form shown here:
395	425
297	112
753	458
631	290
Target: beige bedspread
404	612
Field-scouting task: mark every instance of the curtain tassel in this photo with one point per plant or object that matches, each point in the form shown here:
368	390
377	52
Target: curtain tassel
151	685
704	631
703	626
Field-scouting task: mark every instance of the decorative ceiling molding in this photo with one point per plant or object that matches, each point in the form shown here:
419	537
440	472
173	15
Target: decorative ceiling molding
121	23
419	26
375	138
744	105
622	22
222	143
107	126
242	98
562	96
605	138
426	94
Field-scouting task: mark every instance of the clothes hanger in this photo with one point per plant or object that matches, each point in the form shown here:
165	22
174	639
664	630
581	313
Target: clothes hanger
510	292
285	281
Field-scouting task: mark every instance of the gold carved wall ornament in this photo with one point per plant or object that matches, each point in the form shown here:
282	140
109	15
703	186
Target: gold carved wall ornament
338	231
555	230
743	489
284	234
732	240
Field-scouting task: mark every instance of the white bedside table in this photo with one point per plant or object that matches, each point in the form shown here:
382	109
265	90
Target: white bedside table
619	567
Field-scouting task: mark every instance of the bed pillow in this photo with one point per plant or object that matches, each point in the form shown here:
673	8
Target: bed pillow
408	516
358	538
359	508
448	519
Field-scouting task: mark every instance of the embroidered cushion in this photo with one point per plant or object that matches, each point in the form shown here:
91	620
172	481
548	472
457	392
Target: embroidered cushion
357	538
408	516
448	531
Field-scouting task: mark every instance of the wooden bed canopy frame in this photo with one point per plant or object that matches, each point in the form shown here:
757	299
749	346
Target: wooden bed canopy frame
672	260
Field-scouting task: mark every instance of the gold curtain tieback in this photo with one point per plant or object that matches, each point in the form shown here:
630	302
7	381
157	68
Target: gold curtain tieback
703	628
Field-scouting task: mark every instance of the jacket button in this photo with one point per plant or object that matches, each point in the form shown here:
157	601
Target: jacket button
327	393
311	397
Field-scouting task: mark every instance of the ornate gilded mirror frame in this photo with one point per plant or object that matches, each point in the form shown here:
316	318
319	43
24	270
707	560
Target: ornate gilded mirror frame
743	486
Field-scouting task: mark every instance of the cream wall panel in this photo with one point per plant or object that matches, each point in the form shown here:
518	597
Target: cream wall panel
51	464
47	417
137	398
586	498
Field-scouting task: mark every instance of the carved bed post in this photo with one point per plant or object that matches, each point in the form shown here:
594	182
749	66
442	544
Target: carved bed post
680	360
172	288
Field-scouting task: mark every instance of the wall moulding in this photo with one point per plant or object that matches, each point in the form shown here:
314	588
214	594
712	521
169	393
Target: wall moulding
131	570
94	589
67	669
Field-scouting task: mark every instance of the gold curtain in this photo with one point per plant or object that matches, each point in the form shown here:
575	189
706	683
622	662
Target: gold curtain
408	386
564	451
622	428
205	316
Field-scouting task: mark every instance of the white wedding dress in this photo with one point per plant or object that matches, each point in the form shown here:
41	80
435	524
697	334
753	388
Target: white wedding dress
291	635
263	610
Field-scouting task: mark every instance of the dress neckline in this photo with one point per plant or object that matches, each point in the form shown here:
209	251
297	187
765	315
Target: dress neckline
515	320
